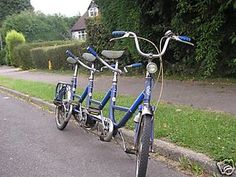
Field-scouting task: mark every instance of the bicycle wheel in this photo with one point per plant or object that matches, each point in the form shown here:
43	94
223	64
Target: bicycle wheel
143	146
64	110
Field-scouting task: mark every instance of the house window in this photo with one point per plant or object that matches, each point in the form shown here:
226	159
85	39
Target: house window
82	35
93	12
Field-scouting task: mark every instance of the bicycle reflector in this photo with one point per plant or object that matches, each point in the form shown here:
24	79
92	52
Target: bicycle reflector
152	67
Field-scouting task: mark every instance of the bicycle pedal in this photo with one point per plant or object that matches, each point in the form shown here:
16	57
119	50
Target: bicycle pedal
94	111
130	151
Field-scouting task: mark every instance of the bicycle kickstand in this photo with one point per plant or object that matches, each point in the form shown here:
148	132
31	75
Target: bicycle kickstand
128	150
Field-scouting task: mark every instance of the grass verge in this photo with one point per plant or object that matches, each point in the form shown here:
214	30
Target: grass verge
208	132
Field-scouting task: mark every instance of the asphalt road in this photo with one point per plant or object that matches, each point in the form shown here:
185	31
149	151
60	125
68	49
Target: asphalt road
31	146
211	96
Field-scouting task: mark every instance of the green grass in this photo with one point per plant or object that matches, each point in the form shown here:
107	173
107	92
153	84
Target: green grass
208	132
213	80
36	89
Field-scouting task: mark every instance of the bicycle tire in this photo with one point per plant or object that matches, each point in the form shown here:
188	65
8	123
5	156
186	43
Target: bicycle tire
143	144
63	111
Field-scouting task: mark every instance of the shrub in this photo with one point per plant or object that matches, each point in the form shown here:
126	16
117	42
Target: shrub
98	37
210	23
56	54
22	52
23	56
13	39
2	57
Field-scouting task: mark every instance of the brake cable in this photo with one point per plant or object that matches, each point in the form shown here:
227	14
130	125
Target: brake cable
160	73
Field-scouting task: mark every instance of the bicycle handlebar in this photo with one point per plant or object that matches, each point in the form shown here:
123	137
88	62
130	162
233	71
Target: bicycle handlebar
118	33
70	54
94	53
168	35
104	67
134	65
185	38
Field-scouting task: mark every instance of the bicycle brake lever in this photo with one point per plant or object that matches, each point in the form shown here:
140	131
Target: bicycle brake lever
125	69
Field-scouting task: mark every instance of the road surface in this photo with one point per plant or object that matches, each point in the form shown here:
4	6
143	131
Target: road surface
31	146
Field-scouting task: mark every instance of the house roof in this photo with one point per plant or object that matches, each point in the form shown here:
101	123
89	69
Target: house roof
80	24
92	5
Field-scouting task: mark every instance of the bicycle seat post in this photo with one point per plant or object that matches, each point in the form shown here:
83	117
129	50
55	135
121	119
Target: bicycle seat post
115	75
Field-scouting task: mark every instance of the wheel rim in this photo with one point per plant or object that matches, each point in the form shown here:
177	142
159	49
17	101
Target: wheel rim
108	132
63	113
139	149
138	158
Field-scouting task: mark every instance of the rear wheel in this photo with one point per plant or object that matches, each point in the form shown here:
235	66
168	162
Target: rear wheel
143	143
64	110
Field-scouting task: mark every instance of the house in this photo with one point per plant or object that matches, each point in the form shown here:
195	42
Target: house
78	31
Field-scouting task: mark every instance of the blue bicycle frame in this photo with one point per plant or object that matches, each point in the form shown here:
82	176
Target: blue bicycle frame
144	97
88	92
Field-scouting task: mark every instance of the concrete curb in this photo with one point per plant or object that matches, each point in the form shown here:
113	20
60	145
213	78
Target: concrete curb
169	150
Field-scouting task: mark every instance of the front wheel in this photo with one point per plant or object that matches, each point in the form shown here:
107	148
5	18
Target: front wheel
143	143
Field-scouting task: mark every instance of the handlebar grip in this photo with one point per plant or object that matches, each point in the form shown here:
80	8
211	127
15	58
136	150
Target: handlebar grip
185	38
70	54
92	51
118	33
113	65
135	65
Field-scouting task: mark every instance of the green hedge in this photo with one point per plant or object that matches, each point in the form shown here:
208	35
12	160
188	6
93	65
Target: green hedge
22	53
56	54
210	23
3	57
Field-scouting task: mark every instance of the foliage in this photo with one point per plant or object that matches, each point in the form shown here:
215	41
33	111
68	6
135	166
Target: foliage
97	34
118	15
10	7
206	21
23	56
210	23
56	55
22	52
13	39
39	27
3	57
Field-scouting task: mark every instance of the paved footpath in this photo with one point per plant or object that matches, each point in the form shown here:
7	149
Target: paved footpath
211	96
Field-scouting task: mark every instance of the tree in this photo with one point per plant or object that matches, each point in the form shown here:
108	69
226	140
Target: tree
39	27
10	7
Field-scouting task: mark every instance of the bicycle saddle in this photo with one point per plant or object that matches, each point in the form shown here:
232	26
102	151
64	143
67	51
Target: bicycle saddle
89	57
112	54
71	60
